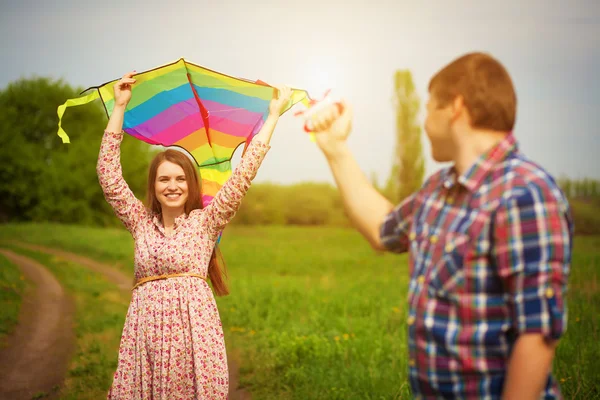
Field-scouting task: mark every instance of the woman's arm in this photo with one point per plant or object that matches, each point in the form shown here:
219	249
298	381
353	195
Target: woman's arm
281	97
116	191
226	203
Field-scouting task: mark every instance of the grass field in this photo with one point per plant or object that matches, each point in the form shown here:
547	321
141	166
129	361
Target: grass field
12	287
313	313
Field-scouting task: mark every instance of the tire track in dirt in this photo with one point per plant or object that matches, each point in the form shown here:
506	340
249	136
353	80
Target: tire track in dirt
113	275
36	357
125	283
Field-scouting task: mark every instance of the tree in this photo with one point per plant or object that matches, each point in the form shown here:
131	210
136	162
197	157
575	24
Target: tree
42	179
408	166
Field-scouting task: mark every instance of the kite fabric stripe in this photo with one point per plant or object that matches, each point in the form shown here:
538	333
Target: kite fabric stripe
204	112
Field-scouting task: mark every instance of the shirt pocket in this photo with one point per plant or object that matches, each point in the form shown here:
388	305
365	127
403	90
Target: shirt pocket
445	277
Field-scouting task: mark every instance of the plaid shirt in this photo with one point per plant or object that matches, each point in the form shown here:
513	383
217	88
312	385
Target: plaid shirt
490	254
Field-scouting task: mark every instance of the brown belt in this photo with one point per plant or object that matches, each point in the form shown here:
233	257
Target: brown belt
166	276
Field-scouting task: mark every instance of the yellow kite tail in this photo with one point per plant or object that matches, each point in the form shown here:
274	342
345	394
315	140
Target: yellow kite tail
70	103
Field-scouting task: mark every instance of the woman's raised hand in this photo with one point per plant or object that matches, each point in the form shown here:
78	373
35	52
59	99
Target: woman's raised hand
122	89
281	98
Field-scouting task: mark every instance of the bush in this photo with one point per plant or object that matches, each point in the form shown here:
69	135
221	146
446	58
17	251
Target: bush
586	216
298	204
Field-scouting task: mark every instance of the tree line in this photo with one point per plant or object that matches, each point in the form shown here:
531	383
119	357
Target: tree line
44	180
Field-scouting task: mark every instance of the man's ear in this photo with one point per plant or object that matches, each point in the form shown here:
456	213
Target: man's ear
459	110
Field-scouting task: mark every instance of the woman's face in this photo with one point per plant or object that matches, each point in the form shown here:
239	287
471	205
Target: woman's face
171	187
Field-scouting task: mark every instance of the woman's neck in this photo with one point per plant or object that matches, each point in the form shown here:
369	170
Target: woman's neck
169	216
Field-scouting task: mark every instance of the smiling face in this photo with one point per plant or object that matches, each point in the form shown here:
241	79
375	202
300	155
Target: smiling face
173	184
170	186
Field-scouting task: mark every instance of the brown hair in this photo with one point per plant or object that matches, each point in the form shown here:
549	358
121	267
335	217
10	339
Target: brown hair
216	268
485	86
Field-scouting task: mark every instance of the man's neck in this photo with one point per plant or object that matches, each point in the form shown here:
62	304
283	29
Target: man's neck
473	145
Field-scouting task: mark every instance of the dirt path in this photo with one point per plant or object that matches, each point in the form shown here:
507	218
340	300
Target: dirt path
125	282
37	354
113	275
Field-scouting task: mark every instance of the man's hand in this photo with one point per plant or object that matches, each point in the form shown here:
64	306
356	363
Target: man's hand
332	126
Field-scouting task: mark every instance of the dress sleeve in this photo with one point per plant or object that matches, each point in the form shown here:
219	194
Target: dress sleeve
117	193
227	201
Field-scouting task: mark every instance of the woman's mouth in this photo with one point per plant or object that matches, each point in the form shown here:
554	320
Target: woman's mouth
173	196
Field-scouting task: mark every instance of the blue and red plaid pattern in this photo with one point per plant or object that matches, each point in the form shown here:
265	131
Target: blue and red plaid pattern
490	254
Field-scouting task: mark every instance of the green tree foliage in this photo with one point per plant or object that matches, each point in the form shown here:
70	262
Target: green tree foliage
42	179
584	198
408	166
586	189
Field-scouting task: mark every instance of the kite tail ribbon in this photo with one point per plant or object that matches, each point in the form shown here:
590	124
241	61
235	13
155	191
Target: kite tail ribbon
72	103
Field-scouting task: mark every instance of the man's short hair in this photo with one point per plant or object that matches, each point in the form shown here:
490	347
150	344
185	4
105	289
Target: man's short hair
485	86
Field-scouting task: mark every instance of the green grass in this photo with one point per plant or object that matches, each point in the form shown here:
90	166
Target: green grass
577	362
315	314
12	287
99	317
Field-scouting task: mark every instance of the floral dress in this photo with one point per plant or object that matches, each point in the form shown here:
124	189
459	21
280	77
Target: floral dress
172	344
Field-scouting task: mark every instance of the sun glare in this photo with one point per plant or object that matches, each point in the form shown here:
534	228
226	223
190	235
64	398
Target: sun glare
320	74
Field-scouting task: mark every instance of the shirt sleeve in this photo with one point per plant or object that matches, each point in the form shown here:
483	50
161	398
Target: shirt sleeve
116	191
532	243
396	226
228	199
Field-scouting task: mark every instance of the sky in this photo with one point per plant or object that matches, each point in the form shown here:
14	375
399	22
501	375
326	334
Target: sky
551	49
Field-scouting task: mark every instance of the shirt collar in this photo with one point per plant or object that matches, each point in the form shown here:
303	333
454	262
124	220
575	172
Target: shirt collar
157	219
473	177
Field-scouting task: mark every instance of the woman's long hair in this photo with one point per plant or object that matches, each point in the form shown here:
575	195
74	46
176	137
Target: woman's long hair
217	272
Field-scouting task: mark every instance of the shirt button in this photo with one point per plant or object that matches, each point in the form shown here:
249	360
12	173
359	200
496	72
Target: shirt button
449	247
412	236
411	362
421	279
433	239
549	292
450	200
411	320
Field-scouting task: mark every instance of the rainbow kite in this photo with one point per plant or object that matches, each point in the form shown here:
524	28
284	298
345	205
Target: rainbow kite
207	113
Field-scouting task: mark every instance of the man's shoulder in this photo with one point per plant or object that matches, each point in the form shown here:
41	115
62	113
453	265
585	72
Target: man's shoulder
518	177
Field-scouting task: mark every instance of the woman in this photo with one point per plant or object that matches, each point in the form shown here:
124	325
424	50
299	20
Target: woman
172	344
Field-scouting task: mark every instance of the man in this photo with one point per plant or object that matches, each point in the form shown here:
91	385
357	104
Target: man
490	241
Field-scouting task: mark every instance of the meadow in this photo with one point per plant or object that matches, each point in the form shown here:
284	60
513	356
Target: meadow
314	312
